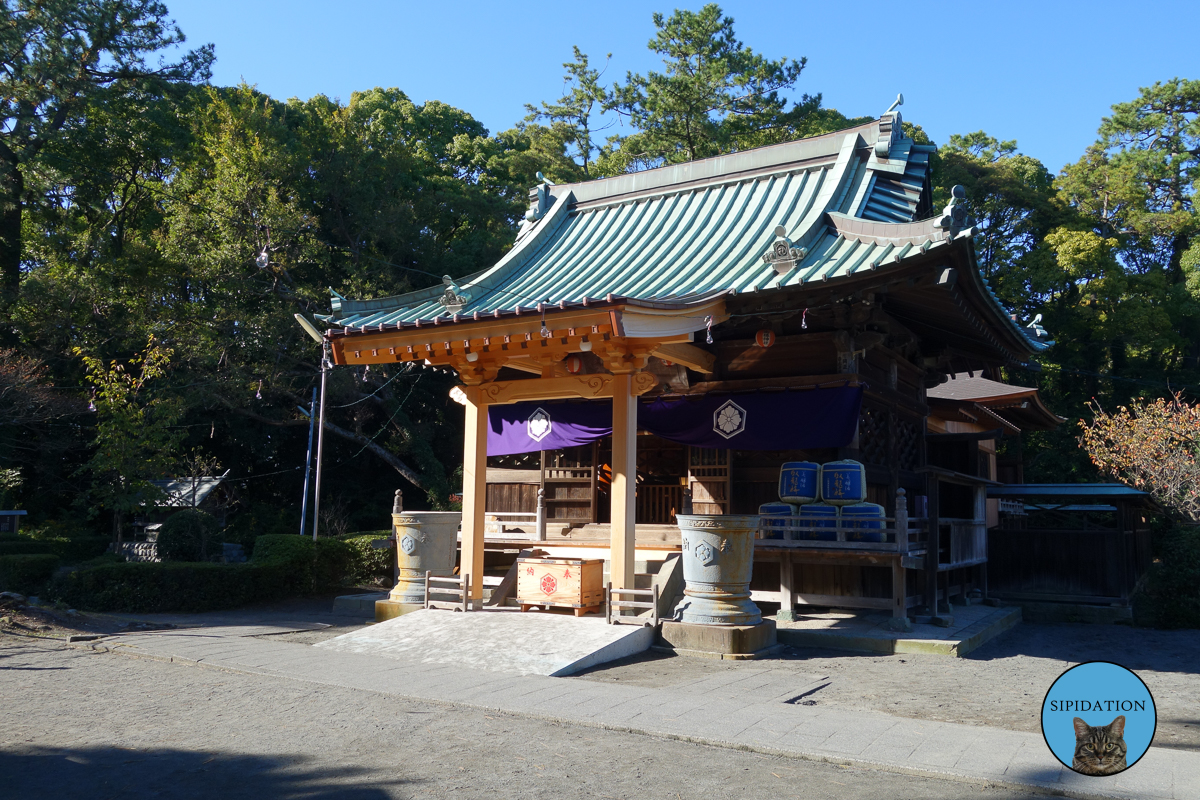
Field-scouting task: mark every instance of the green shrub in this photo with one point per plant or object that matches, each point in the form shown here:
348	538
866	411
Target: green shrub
285	546
26	573
281	566
188	536
260	519
333	564
81	548
71	551
71	528
14	547
162	587
1171	596
369	564
324	564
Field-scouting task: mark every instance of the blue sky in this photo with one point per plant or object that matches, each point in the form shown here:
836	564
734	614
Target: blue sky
1043	73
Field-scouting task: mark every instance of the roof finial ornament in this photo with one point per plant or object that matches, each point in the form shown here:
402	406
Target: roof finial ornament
889	128
539	204
454	298
954	216
782	256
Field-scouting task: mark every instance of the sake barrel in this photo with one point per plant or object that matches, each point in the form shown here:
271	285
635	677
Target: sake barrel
798	482
819	515
843	482
865	522
776	517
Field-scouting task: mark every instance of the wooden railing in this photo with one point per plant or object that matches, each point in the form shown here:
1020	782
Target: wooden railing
899	533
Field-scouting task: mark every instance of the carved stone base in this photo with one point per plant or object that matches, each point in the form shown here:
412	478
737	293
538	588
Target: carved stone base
390	609
719	641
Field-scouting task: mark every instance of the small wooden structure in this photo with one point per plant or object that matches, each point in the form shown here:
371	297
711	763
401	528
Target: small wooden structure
1076	543
794	286
561	583
456	586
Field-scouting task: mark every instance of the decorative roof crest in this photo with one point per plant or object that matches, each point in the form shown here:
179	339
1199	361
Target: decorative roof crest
539	204
954	216
889	128
454	298
782	256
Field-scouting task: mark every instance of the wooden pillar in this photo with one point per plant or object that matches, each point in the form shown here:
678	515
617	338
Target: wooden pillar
624	481
932	546
899	574
787	586
474	493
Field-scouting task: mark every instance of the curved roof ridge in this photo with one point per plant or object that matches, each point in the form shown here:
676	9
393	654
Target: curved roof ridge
758	159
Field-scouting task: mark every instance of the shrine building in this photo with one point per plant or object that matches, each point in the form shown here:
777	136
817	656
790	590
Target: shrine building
664	341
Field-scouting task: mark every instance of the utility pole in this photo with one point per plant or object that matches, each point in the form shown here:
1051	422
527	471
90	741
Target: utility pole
312	421
325	365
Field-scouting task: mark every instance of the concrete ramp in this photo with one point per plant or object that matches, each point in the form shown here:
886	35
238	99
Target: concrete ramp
509	641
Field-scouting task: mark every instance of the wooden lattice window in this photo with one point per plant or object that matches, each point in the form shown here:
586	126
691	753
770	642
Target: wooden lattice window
908	444
873	436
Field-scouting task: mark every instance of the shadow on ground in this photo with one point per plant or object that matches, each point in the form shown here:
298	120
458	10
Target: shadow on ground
103	772
1134	648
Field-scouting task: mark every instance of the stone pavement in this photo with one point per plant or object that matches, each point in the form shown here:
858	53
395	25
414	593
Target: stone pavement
500	640
748	709
868	631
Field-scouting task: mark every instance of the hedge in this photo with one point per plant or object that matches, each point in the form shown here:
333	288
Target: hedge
188	535
282	565
71	551
26	573
1171	595
144	587
369	564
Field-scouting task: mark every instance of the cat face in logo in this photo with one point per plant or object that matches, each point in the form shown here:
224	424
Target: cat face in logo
1100	749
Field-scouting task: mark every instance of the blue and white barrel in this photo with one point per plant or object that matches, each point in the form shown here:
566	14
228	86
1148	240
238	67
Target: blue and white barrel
775	518
843	483
817	515
865	522
799	482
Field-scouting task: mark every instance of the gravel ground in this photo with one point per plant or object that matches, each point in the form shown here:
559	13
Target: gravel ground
80	724
1002	684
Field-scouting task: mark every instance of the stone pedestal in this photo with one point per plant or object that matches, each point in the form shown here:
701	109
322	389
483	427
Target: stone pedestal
733	642
390	609
426	541
718	556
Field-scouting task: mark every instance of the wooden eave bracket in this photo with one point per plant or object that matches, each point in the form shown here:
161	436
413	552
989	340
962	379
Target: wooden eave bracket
688	355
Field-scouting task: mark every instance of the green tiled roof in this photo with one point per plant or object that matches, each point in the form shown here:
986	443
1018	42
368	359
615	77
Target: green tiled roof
689	230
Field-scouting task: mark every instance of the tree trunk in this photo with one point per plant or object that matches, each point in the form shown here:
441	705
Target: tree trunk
12	191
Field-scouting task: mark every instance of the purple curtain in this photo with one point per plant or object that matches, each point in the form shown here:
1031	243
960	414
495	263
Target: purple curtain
787	420
526	427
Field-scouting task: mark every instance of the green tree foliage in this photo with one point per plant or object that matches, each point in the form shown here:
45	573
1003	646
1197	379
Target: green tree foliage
1139	179
1105	253
714	96
188	535
56	56
573	117
1013	201
135	442
210	217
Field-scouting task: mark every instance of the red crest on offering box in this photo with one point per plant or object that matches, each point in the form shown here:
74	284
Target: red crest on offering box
574	364
764	338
